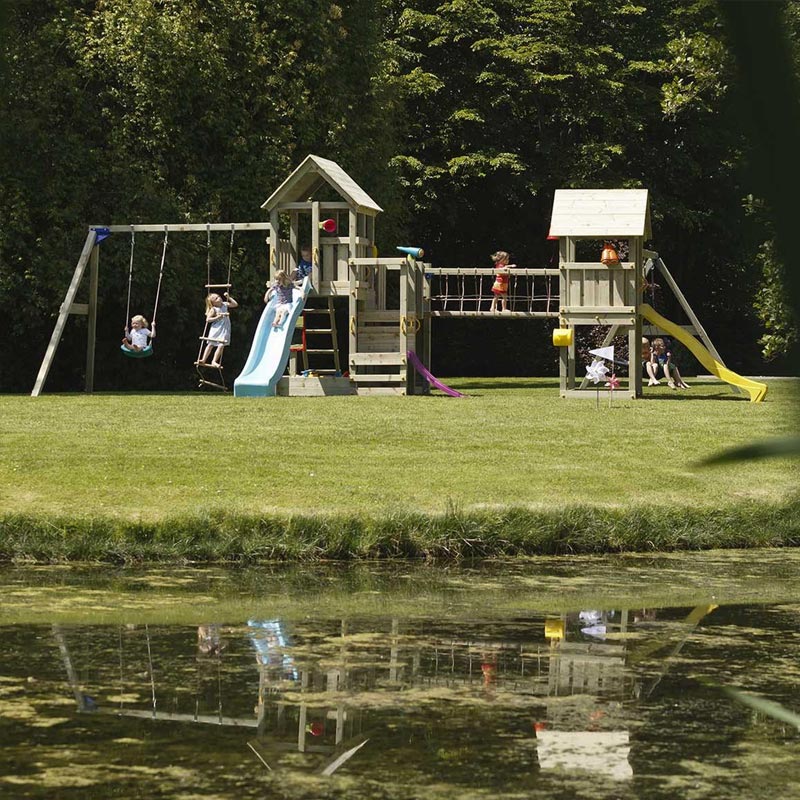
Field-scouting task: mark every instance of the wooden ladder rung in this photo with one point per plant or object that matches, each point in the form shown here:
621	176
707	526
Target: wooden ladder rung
218	285
319	330
316	311
209	339
318	350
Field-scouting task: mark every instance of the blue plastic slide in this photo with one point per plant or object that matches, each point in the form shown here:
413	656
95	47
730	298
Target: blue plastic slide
269	352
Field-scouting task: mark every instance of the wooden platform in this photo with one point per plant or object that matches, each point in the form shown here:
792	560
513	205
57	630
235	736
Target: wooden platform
314	386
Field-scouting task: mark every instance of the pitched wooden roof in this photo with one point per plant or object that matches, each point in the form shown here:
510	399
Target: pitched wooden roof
313	173
609	213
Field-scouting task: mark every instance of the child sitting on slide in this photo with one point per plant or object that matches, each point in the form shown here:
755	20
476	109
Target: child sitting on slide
282	287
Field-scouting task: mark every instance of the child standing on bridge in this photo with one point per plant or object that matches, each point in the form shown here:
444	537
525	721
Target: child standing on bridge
500	285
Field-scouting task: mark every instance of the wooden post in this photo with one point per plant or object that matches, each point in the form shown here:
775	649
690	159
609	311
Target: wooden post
635	335
64	312
566	358
294	245
274	229
316	256
91	328
352	230
352	312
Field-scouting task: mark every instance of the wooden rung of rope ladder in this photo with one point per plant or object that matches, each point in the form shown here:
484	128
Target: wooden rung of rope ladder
209	339
204	382
218	285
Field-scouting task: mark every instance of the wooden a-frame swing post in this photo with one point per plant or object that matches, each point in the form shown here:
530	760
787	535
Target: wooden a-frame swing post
69	306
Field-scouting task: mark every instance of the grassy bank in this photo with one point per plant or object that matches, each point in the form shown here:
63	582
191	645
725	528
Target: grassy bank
511	469
516	531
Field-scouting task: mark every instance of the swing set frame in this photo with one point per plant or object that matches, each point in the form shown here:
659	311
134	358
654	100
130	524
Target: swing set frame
89	260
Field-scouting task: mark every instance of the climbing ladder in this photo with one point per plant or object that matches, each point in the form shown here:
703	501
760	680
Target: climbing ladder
320	340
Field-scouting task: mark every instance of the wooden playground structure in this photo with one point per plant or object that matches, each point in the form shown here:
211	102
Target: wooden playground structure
391	301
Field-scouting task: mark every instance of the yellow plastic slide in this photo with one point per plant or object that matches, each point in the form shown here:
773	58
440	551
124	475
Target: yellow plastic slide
756	390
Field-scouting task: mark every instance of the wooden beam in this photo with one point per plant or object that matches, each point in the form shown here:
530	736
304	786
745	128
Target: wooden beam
596	265
187	227
470	271
63	313
91	328
498	315
305	205
374	359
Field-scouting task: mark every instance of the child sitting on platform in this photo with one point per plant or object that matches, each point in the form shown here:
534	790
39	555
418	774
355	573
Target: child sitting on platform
645	356
282	287
661	357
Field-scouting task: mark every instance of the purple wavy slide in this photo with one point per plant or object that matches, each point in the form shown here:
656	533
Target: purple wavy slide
435	382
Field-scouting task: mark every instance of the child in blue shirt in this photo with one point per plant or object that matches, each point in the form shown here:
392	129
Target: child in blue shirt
304	266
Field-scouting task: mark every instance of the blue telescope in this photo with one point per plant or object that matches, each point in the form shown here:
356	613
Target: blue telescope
414	252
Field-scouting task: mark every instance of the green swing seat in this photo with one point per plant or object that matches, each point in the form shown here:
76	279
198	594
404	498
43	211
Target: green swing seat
143	353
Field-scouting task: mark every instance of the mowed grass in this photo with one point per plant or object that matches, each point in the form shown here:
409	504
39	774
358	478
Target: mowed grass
510	443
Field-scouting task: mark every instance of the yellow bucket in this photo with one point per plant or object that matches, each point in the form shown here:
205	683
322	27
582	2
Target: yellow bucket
563	337
554	628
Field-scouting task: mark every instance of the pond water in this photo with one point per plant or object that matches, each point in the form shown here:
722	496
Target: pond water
439	682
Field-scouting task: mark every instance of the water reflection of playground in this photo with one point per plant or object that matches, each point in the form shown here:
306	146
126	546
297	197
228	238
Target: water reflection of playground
315	696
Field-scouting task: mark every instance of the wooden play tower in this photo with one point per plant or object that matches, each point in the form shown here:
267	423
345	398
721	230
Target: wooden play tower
384	295
595	293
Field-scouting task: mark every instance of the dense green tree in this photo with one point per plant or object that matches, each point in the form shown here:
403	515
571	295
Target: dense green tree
143	111
460	117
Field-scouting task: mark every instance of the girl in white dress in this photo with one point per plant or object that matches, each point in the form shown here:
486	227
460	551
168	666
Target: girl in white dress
219	327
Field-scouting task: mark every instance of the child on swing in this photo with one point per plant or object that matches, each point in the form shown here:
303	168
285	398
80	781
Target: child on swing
282	287
137	335
500	285
218	322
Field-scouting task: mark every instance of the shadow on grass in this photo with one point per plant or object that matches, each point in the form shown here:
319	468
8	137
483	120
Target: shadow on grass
685	396
505	383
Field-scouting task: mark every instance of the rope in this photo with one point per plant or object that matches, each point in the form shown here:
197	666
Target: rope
130	280
121	677
160	272
208	256
230	254
150	668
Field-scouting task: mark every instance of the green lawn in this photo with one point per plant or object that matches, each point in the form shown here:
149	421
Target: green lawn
152	458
